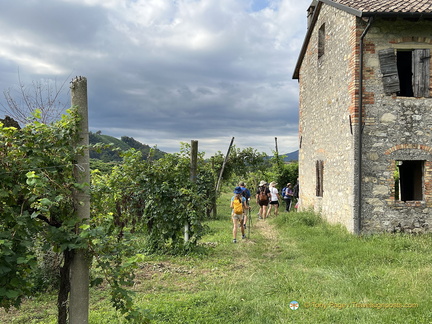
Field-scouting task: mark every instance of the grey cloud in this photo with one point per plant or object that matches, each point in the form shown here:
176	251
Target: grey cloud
205	69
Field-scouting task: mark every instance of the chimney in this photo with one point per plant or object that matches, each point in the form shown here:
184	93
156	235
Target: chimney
310	12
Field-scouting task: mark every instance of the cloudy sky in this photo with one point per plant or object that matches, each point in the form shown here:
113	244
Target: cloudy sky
166	71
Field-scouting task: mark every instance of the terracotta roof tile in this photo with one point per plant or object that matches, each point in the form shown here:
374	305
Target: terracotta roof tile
388	6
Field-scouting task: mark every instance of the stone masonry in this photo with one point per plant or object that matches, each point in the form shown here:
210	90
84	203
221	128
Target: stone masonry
327	131
397	128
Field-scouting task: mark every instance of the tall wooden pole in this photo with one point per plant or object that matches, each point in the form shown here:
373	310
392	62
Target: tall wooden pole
278	161
193	177
214	209
214	205
223	166
79	271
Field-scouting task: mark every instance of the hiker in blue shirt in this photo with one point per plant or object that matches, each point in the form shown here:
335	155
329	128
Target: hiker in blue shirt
246	193
287	194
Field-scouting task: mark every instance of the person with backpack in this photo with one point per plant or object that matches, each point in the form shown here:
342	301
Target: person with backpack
262	199
287	195
238	205
246	193
274	199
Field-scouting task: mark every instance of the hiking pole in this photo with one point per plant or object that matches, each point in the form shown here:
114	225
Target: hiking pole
249	222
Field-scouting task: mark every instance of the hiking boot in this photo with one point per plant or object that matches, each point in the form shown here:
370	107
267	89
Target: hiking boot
234	241
243	236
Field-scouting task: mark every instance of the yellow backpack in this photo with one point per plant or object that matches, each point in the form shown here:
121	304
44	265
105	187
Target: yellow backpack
238	205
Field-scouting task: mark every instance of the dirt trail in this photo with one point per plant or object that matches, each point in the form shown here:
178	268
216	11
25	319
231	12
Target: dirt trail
263	228
266	229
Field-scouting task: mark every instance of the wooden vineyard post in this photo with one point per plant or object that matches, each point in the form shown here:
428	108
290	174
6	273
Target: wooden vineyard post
193	177
79	271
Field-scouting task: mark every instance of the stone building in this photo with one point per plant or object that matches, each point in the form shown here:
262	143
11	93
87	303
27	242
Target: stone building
365	130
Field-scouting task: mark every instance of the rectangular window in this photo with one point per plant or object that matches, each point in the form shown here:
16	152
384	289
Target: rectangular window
321	40
410	180
405	72
319	166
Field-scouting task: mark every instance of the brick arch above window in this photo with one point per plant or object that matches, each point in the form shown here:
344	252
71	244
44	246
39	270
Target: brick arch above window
423	147
412	40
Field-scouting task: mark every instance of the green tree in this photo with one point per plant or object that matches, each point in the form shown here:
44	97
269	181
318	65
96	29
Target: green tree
246	165
45	95
258	166
282	172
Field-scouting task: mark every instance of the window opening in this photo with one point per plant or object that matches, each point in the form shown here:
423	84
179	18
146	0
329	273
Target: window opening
321	40
319	178
404	66
405	72
409	180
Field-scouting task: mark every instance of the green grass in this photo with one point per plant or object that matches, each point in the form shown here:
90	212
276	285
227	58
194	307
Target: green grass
330	272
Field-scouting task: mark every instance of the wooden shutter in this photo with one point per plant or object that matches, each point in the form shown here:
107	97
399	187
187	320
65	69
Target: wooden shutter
388	65
420	69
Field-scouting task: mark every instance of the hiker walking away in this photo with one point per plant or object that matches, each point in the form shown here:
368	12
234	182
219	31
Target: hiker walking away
287	195
274	199
246	193
262	199
238	205
283	191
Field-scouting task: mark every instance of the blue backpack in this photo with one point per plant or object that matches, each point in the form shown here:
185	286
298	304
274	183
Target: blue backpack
246	193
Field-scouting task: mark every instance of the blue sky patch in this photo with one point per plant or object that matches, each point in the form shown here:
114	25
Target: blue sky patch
258	5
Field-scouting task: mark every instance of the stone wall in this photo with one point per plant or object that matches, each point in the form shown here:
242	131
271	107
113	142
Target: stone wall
397	129
326	130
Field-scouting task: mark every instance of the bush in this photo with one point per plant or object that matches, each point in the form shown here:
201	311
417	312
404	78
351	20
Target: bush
47	274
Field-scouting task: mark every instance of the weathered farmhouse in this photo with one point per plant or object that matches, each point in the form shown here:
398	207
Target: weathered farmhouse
365	130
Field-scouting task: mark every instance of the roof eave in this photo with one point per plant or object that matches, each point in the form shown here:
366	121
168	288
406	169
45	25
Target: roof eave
350	10
296	74
397	14
360	13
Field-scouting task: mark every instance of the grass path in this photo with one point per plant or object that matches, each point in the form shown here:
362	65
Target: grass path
267	230
236	283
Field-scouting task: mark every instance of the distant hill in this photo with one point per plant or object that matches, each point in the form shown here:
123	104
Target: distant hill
288	157
293	156
123	144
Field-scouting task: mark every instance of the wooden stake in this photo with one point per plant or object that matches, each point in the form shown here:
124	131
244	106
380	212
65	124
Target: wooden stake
79	271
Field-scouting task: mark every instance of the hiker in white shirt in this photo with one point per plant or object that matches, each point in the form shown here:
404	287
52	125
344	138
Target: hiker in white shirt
274	200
